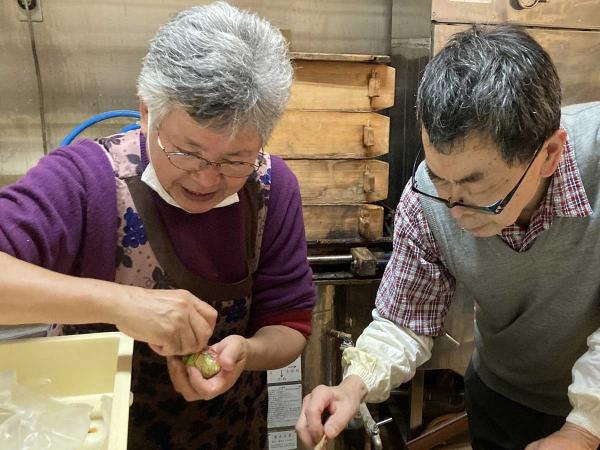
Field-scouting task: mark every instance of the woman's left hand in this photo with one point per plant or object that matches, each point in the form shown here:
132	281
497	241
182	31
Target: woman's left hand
231	354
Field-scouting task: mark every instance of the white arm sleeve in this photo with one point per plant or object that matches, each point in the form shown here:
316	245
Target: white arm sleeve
584	392
385	356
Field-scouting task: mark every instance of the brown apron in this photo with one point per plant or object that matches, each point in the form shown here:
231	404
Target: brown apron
161	418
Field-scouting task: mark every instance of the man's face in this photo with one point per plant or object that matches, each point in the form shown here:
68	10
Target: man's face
201	190
474	173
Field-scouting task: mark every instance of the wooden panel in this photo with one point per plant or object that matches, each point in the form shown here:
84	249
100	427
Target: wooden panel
584	14
342	86
576	55
329	134
343	222
340	181
350	57
317	359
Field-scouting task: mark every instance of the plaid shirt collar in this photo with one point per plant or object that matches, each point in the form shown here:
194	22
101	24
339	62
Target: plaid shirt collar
566	197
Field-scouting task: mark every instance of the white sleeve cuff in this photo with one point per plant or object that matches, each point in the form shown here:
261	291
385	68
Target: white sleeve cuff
385	356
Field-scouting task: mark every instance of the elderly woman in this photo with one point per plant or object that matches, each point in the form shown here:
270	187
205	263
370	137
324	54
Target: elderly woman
191	206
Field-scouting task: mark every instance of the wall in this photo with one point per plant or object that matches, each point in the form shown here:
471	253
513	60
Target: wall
90	54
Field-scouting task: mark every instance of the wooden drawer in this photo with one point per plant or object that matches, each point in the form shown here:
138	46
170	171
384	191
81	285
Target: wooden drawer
343	222
341	181
575	54
330	134
583	14
341	86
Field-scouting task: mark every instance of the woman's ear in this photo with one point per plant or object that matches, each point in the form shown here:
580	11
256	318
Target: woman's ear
144	118
554	149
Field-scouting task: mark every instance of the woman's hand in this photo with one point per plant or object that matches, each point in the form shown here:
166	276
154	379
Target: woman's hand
172	321
231	355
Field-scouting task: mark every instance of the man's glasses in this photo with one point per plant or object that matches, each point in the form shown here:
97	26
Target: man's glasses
495	208
192	162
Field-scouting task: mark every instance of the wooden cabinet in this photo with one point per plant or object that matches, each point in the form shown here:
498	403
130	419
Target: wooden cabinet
330	137
578	14
576	54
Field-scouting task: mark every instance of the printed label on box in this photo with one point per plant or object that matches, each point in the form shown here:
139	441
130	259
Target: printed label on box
285	404
291	373
283	440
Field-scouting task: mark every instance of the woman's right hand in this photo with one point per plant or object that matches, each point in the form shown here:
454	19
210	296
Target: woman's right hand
172	321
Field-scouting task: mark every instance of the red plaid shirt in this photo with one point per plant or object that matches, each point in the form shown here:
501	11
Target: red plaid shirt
417	288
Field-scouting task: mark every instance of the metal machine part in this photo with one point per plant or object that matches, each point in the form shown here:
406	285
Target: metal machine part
363	418
527	4
361	262
372	438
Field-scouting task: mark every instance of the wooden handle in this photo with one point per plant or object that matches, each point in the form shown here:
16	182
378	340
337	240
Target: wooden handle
322	445
374	85
368	136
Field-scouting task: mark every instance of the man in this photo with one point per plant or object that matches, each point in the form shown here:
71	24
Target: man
504	207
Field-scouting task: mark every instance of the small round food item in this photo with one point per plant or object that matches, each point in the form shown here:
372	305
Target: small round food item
205	362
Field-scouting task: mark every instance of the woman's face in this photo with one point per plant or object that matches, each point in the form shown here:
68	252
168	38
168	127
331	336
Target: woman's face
197	191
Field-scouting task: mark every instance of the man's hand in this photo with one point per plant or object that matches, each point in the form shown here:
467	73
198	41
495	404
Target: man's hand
569	437
231	355
341	402
172	321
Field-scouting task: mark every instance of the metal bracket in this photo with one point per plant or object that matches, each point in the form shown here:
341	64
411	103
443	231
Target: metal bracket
35	9
364	263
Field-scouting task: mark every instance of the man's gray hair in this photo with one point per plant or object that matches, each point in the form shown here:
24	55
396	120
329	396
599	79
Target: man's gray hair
494	81
227	68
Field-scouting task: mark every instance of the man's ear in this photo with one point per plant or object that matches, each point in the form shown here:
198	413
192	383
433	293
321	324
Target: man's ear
144	118
553	149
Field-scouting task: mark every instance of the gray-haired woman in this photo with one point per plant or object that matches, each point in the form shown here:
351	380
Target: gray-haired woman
190	202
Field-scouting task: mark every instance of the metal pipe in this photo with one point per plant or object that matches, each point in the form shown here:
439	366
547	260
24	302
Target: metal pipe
382	258
371	428
330	259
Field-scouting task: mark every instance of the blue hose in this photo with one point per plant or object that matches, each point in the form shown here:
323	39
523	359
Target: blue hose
99	118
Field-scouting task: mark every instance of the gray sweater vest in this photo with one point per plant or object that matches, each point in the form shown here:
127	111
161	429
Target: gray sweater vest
534	310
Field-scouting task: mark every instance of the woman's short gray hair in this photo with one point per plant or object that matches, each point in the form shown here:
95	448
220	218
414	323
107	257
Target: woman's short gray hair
227	68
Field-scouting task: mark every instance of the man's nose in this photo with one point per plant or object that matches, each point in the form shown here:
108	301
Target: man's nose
457	212
455	197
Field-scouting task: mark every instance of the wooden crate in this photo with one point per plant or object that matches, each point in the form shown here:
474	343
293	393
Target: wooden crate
343	222
341	86
341	181
329	137
330	134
